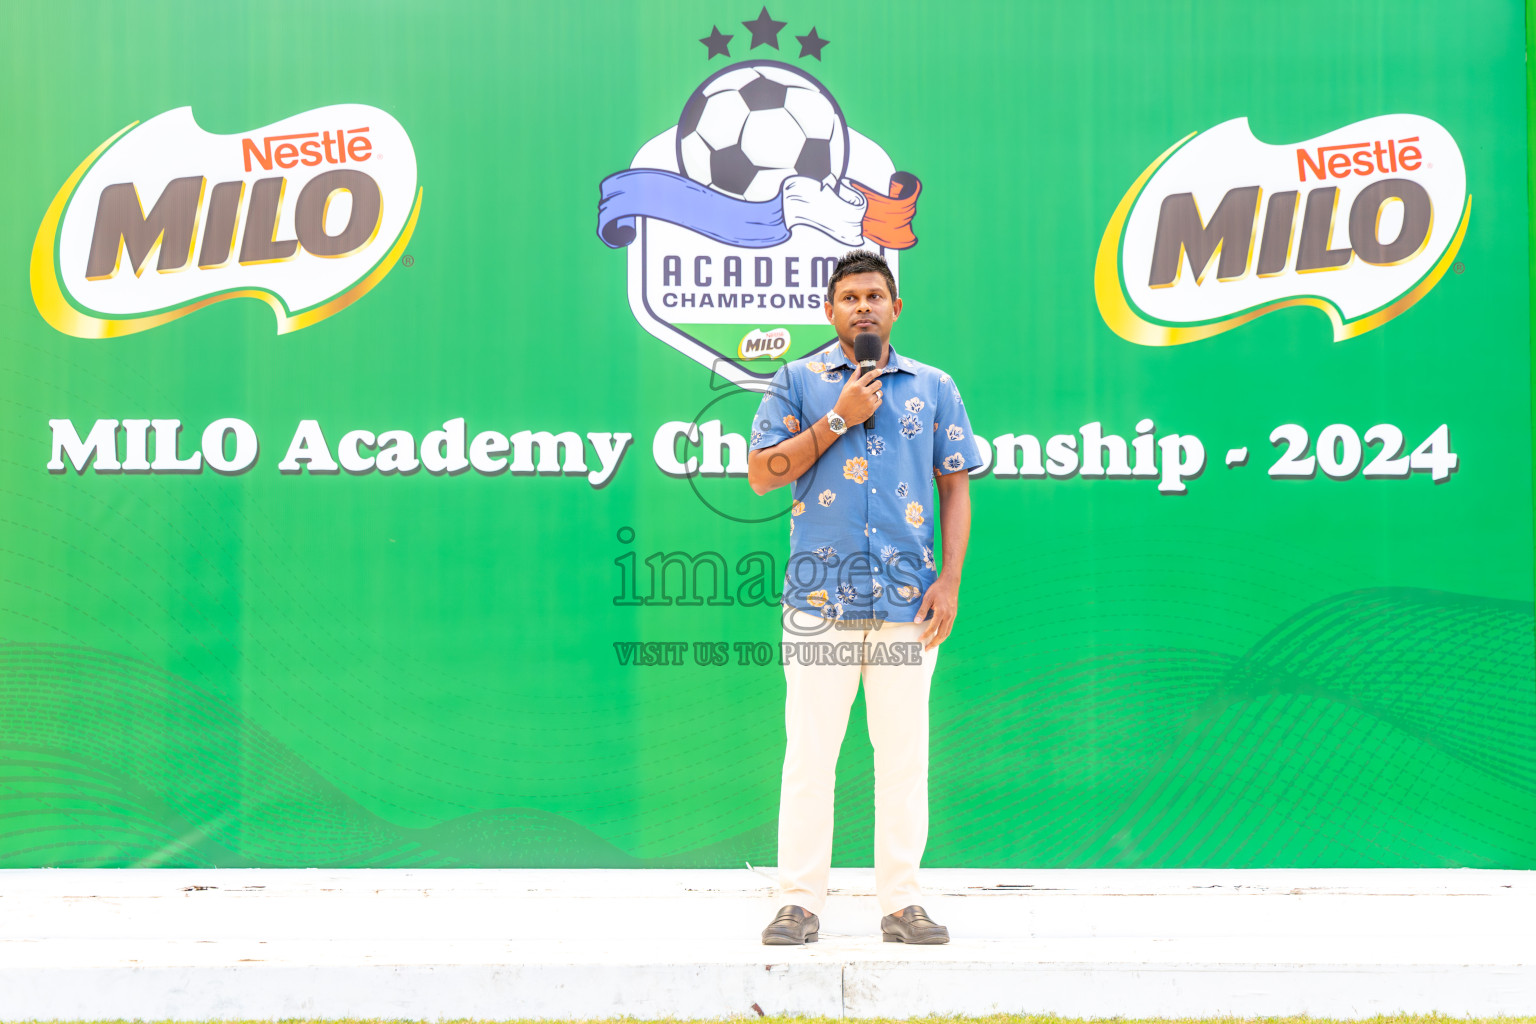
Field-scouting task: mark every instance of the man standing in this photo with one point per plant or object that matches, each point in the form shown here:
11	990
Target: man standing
865	453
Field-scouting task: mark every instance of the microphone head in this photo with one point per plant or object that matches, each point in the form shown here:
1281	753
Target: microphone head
866	347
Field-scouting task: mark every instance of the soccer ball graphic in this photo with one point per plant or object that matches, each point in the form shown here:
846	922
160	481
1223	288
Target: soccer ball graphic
751	126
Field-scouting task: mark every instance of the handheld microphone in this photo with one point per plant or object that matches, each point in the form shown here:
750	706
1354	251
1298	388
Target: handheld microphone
866	351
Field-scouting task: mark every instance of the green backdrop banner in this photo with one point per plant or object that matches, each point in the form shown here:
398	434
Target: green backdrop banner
380	375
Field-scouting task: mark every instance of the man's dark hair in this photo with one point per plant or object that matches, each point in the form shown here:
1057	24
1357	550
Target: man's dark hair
860	261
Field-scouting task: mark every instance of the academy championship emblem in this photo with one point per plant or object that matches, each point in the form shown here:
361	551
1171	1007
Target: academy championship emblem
164	218
734	217
1359	223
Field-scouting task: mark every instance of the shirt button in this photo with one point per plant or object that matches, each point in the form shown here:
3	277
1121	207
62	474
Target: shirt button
874	529
873	491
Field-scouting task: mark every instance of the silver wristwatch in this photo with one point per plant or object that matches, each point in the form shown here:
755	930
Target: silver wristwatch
837	423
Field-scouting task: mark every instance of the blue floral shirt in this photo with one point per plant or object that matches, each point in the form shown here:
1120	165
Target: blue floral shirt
861	521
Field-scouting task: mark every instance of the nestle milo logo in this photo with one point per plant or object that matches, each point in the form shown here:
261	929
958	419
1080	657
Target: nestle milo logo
307	215
764	344
1360	223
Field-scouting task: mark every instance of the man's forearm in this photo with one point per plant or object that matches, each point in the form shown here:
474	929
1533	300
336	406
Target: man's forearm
787	461
954	526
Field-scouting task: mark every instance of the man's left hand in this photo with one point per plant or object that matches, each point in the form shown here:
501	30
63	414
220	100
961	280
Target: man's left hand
944	599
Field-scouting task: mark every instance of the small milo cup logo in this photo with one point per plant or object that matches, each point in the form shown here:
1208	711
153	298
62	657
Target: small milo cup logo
307	214
764	344
1360	223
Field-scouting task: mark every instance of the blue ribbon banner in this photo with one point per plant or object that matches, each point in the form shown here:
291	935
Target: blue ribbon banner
648	192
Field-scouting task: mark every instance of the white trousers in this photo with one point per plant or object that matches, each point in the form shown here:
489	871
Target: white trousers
816	707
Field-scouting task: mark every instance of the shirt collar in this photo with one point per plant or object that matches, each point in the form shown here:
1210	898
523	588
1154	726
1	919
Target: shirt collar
834	356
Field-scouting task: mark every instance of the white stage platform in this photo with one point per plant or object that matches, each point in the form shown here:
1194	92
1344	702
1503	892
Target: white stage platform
168	944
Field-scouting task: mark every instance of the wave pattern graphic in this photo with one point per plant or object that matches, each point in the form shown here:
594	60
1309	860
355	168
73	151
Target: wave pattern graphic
107	762
1385	727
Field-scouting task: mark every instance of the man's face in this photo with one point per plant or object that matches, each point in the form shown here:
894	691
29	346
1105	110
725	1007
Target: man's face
862	302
